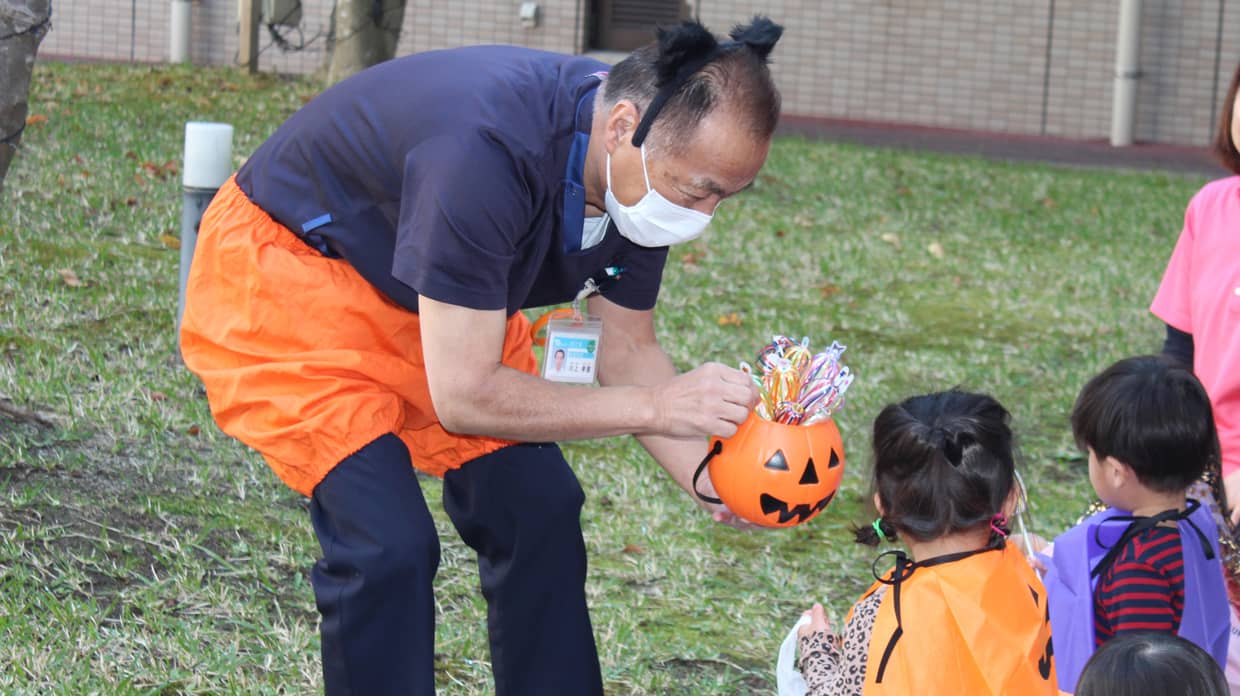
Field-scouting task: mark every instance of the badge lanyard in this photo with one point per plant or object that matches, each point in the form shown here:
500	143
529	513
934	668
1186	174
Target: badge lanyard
570	346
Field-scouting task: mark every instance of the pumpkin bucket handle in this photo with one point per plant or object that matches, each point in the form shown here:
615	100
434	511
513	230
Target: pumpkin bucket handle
714	450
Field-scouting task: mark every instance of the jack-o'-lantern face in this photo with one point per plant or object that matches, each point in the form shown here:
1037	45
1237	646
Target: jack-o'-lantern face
778	475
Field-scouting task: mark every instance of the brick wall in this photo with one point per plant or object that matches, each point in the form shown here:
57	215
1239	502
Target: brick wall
137	30
971	64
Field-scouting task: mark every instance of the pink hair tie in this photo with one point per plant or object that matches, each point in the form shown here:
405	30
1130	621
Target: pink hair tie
998	523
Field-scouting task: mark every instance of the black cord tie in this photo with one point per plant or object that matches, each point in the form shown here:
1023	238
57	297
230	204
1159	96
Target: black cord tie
1138	524
903	571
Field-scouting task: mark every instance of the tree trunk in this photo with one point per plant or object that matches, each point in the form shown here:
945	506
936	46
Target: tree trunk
22	26
363	33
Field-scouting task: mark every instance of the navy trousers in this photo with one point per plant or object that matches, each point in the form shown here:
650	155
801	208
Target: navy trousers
518	508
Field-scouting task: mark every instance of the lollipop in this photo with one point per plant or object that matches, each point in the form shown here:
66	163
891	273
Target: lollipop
785	462
799	387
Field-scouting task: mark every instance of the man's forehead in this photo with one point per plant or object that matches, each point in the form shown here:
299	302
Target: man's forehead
706	183
709	177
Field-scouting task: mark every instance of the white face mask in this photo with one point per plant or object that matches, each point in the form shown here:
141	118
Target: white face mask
593	229
654	221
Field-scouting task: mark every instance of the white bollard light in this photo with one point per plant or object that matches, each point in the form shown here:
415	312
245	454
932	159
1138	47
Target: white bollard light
178	37
1127	73
207	165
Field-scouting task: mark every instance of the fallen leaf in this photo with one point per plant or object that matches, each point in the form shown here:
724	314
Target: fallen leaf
171	167
692	258
1048	203
71	279
891	239
131	201
35	119
158	396
730	319
192	430
130	154
170	241
78	158
936	250
152	169
828	289
633	548
780	233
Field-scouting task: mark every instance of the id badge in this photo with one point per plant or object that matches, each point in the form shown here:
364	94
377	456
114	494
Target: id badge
571	352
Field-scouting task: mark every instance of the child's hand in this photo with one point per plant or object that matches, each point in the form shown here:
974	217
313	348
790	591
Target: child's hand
1038	565
1036	544
1231	488
817	622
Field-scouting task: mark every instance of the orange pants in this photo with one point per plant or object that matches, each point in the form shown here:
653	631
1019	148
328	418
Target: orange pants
302	359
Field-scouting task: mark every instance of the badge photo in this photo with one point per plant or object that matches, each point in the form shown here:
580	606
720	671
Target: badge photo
571	353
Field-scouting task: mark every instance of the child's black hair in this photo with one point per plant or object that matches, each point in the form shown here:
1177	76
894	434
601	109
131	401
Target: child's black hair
1152	414
943	463
1151	664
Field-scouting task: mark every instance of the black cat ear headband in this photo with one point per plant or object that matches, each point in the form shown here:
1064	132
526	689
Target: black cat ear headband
689	47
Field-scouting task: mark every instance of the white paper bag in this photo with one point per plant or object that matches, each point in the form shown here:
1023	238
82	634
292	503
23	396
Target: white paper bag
787	678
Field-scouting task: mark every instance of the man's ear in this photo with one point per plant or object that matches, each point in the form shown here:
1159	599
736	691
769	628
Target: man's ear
878	505
621	121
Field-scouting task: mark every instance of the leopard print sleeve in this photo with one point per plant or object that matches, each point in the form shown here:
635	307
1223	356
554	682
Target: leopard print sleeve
834	665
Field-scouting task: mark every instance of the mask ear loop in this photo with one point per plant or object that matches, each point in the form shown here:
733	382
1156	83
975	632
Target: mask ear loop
1022	509
645	173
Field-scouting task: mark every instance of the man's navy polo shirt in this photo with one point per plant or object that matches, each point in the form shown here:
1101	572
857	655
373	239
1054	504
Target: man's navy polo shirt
443	173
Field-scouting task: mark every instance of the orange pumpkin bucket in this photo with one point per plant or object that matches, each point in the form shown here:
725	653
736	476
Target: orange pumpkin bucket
785	462
773	474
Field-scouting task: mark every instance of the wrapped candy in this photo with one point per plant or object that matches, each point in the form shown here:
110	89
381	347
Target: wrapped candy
799	387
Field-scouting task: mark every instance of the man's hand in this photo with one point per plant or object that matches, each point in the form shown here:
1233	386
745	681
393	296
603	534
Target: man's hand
719	512
710	400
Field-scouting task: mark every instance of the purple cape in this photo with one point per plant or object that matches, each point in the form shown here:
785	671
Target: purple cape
1206	620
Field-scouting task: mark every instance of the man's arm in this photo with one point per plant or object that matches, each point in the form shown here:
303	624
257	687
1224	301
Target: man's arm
474	393
1179	345
631	355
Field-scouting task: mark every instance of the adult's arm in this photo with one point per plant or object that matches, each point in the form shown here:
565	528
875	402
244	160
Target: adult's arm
474	393
630	354
1179	345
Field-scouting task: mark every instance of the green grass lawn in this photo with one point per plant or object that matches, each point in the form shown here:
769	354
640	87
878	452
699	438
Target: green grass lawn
141	551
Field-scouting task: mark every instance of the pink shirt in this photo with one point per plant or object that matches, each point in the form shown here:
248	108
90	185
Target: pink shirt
1200	294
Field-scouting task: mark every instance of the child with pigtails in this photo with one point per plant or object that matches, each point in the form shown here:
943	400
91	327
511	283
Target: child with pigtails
961	612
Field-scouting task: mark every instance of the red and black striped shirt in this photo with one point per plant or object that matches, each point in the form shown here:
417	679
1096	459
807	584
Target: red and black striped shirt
1143	590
